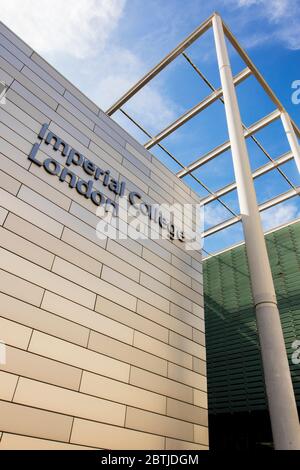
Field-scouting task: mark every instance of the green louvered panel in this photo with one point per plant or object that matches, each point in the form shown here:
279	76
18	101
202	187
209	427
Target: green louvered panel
234	370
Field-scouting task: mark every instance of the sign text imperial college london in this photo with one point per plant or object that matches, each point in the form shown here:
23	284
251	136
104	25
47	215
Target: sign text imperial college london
86	189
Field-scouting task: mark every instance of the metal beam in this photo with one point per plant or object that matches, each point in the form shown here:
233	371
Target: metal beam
256	73
262	207
176	160
255	140
226	145
279	199
162	64
291	137
259	172
240	77
265	121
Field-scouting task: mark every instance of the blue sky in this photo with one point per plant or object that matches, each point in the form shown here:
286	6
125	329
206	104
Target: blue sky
105	46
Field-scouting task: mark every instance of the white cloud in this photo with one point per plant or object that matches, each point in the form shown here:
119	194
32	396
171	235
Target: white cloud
65	31
274	9
74	27
215	213
280	215
150	106
283	14
272	218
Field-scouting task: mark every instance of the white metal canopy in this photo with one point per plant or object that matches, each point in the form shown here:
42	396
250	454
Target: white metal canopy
279	388
290	127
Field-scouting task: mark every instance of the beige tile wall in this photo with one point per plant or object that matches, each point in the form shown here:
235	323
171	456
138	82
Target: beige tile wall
105	344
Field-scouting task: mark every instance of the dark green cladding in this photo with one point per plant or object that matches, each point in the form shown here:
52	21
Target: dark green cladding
234	369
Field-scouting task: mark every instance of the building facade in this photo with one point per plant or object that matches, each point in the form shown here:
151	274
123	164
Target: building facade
238	413
102	339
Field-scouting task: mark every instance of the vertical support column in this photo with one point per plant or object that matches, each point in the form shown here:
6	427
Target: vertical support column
279	388
291	137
